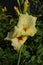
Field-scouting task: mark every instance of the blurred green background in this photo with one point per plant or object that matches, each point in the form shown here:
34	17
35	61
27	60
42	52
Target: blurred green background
32	51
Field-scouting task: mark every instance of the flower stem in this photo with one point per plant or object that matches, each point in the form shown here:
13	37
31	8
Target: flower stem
19	56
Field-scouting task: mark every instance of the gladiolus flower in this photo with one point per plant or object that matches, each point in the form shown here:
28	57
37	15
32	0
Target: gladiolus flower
25	26
17	42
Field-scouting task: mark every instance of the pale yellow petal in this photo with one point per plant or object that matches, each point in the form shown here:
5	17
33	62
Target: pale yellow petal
17	44
31	31
25	21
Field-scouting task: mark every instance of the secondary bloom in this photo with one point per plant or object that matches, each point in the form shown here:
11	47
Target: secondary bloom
25	26
17	42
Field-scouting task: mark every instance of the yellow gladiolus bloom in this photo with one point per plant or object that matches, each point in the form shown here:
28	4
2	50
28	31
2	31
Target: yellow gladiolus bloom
25	26
17	42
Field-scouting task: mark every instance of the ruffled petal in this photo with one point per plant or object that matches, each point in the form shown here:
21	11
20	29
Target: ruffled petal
25	26
18	42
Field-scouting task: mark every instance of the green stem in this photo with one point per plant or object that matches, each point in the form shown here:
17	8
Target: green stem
19	56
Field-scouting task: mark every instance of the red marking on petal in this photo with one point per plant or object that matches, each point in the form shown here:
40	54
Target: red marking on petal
20	38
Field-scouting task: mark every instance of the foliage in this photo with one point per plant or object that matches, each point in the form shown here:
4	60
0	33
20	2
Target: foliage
6	23
31	52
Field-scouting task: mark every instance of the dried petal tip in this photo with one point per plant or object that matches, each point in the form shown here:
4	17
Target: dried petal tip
17	10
